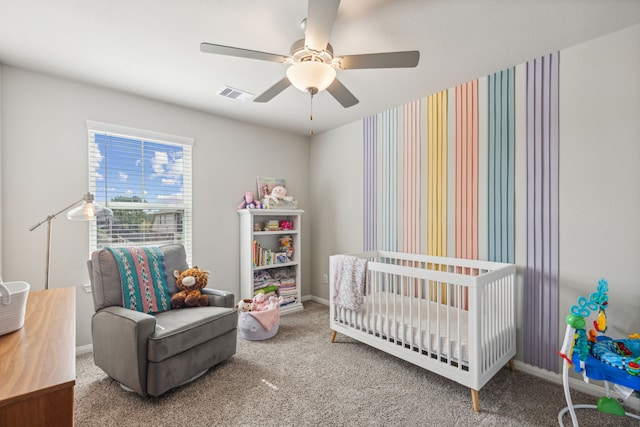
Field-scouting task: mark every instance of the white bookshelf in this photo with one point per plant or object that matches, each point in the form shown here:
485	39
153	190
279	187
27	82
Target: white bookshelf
269	240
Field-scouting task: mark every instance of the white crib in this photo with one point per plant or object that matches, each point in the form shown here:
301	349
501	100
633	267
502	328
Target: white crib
454	317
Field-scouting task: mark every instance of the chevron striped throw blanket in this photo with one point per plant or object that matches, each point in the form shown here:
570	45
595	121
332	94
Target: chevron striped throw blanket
143	278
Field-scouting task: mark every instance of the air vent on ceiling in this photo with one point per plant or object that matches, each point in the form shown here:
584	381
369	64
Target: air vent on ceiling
236	94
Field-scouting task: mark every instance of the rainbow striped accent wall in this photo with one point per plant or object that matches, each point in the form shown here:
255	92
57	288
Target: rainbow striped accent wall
389	199
437	174
501	163
541	271
411	173
414	202
370	200
466	171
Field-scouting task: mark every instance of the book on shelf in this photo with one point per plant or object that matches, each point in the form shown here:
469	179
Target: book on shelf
262	256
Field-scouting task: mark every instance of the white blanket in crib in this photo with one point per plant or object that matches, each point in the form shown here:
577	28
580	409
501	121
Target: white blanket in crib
350	281
403	319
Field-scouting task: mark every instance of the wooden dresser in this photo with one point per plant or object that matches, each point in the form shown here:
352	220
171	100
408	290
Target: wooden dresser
38	362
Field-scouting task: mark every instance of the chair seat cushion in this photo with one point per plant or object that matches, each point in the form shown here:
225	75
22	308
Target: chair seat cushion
179	330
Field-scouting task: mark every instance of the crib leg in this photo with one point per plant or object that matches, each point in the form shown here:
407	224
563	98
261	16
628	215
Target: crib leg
476	400
333	336
512	365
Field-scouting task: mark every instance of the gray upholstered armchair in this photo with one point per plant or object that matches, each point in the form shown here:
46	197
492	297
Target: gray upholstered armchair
152	353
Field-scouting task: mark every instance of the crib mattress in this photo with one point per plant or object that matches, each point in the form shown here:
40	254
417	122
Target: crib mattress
436	328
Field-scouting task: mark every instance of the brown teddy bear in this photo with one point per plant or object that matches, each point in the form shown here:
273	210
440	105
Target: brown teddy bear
189	282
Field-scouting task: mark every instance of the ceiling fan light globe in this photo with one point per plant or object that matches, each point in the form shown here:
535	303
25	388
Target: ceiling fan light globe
311	74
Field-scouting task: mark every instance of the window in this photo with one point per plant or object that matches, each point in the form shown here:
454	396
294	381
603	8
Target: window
145	179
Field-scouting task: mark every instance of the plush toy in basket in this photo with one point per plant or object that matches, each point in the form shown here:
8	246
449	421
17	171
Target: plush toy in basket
13	303
259	320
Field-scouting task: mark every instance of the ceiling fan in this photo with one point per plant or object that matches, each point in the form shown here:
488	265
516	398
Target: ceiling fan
312	65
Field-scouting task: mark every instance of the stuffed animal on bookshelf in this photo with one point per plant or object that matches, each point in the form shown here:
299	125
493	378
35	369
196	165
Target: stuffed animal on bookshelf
286	225
285	242
249	202
286	245
244	304
278	194
189	283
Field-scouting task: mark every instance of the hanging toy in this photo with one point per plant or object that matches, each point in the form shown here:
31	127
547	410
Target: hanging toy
581	345
600	324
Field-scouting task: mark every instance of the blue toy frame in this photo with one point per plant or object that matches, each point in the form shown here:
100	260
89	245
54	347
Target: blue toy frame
622	368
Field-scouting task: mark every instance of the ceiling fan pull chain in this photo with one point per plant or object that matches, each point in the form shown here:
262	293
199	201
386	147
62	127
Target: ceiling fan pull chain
311	113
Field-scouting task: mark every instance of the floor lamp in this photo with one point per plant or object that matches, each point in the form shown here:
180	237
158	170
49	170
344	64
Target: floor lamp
86	211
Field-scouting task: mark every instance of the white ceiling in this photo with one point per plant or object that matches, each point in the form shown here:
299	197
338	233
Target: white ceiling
151	47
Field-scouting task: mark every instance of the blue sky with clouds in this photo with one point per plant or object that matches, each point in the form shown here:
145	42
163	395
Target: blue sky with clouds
126	167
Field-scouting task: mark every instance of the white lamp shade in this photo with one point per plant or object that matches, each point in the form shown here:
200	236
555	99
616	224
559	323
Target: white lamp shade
87	210
84	212
311	74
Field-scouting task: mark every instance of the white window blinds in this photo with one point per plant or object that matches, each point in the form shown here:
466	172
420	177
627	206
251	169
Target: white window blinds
145	178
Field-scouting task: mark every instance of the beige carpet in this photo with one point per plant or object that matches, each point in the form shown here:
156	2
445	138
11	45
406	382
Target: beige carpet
298	378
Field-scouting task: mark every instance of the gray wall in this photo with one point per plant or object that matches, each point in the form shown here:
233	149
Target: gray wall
599	174
45	167
336	185
599	178
1	174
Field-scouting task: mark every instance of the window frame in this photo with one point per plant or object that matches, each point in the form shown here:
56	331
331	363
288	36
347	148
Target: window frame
187	143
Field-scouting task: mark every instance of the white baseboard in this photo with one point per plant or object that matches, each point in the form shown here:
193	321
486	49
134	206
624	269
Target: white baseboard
317	299
84	349
575	384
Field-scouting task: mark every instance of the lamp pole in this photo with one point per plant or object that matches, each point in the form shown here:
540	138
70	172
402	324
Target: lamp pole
48	220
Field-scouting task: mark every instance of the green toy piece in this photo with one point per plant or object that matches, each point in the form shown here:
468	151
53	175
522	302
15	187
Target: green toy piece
610	405
576	322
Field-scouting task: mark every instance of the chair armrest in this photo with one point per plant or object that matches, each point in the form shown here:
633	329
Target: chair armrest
219	298
120	340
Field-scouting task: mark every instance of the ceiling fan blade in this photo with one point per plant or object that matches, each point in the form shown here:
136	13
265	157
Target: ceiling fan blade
342	94
408	59
241	53
321	14
274	90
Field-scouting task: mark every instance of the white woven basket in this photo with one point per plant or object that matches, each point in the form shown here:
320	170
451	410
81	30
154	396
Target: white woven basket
13	302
